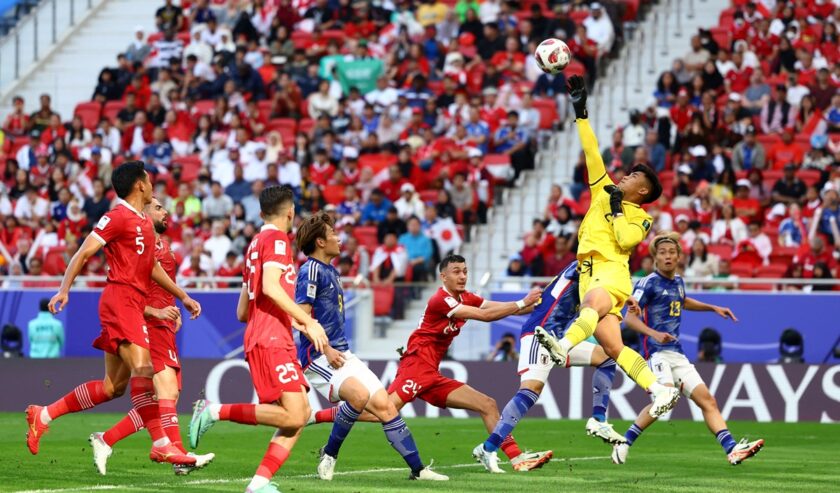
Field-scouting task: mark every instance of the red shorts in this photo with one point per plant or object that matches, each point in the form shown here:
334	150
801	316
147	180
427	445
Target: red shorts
121	315
274	371
164	349
417	379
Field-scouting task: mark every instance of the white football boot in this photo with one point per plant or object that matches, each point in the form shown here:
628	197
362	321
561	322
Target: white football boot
604	431
744	450
101	451
619	453
490	460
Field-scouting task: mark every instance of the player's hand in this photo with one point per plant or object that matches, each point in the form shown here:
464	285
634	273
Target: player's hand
616	196
171	313
633	306
532	297
725	313
334	358
193	307
178	322
577	95
58	302
315	333
663	337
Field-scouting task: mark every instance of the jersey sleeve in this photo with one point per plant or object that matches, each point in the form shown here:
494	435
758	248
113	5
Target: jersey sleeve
276	252
631	229
472	299
641	292
598	177
444	305
305	288
107	228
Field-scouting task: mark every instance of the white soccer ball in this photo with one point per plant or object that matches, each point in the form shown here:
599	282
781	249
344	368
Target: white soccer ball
553	55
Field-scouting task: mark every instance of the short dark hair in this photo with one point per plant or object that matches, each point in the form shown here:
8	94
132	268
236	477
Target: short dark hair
125	176
44	304
452	258
655	185
275	199
313	228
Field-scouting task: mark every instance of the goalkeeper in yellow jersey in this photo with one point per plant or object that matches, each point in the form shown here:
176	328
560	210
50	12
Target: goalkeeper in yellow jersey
614	224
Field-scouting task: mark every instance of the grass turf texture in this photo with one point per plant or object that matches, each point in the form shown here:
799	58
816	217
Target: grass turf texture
669	457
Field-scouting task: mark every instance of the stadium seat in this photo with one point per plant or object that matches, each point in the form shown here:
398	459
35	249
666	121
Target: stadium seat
111	109
383	299
575	68
772	271
265	107
761	286
305	125
54	264
548	112
722	37
783	255
742	269
366	236
333	194
190	166
204	106
89	113
810	176
377	162
722	251
428	196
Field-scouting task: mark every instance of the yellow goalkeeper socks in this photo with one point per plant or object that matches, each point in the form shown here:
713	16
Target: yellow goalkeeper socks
634	365
583	327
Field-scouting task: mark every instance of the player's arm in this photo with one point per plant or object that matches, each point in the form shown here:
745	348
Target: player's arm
524	311
242	304
91	245
628	233
334	357
698	306
595	168
169	313
272	271
490	311
160	277
634	323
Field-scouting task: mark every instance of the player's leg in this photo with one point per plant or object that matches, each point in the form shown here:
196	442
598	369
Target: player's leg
589	354
295	410
354	396
327	415
85	396
608	334
166	388
597	303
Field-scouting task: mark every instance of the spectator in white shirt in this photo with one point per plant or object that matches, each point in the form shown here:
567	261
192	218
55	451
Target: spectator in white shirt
218	245
383	96
217	205
202	51
138	50
211	34
599	28
222	164
288	171
111	137
256	165
321	102
168	48
31	208
760	241
409	203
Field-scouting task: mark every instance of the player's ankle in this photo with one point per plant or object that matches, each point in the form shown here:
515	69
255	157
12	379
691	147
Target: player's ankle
565	344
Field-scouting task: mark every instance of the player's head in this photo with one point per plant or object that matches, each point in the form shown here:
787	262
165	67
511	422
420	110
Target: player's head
666	251
317	234
453	273
131	178
641	185
278	203
159	216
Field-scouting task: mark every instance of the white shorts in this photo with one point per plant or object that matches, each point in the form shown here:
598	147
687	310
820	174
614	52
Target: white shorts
673	368
535	364
327	380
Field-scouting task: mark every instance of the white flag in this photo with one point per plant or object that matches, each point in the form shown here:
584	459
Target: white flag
445	233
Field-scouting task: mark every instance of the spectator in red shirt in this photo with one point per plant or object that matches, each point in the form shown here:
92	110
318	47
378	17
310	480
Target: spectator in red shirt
321	170
511	60
681	111
746	208
137	135
17	122
739	77
815	253
231	267
786	151
141	91
54	131
391	187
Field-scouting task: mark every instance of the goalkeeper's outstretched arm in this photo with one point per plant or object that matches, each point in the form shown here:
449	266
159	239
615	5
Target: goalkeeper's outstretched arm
595	168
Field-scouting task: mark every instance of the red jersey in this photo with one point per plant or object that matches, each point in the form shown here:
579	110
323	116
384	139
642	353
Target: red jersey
159	297
268	325
129	240
439	325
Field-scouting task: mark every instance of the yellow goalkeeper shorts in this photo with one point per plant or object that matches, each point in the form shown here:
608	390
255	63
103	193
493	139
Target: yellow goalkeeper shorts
598	272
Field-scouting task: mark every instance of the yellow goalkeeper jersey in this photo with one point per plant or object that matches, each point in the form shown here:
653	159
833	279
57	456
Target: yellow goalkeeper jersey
612	238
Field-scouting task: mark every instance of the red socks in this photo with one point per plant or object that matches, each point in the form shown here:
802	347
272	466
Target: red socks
85	396
142	391
245	414
128	426
326	415
272	460
510	448
169	422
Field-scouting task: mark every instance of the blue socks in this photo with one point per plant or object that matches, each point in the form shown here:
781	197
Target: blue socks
602	381
633	433
511	414
725	440
344	420
399	436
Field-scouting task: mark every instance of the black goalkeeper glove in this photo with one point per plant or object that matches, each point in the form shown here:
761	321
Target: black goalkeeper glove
616	196
577	95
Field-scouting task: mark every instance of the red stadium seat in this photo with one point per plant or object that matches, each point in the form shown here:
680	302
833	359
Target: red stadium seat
722	36
279	124
742	269
305	125
761	286
783	255
722	251
548	112
575	68
205	106
377	162
772	271
265	107
333	194
383	299
578	16
89	113
366	236
54	264
111	109
428	196
810	176
190	166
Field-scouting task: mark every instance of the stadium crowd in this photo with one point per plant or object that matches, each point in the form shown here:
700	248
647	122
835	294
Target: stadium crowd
744	130
399	118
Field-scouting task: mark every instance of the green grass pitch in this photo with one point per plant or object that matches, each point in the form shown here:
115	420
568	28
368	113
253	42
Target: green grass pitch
670	457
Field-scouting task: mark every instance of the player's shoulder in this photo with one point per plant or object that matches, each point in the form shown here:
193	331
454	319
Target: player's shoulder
442	299
648	281
275	240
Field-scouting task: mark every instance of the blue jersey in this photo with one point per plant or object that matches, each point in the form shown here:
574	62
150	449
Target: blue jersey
558	304
661	300
319	285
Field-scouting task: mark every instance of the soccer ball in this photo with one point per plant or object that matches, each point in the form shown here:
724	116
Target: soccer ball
552	55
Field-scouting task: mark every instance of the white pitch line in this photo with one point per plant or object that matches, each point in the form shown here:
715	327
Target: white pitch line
197	482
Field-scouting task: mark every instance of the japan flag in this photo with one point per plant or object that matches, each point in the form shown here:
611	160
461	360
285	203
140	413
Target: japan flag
445	233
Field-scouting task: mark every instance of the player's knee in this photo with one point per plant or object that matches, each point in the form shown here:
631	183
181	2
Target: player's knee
488	405
143	369
359	400
114	390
